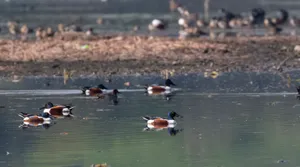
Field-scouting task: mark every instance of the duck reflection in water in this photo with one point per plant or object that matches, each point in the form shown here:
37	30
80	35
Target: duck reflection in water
171	131
168	95
298	90
31	120
112	96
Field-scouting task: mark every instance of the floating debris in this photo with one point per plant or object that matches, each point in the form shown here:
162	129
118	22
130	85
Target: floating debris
85	47
282	161
99	165
127	83
64	133
213	74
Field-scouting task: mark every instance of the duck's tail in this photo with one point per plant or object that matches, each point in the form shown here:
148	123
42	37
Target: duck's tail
146	118
23	114
71	108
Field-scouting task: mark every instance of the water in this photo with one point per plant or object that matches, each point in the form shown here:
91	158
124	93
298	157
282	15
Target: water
231	128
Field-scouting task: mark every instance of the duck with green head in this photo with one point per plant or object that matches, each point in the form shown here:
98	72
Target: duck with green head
161	123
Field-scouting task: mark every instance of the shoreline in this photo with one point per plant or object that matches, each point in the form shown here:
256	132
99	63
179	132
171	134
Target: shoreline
142	55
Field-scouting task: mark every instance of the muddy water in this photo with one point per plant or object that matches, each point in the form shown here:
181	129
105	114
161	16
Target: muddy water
219	128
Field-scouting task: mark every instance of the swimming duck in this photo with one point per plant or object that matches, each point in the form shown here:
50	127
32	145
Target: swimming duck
58	111
35	120
157	89
161	123
93	91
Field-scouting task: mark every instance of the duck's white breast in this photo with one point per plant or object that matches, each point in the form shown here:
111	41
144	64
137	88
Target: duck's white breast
150	121
171	121
47	110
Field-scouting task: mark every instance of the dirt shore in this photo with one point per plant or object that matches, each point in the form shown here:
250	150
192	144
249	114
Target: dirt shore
124	55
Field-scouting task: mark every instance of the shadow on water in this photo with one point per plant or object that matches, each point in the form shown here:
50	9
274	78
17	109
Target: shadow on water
236	119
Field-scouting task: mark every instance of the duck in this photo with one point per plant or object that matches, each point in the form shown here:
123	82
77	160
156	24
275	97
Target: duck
58	111
112	96
162	123
157	89
35	120
93	91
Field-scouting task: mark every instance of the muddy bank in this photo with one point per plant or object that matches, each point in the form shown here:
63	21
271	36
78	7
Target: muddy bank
144	55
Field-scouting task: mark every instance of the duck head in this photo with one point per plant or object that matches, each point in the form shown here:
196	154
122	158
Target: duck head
101	86
173	114
169	83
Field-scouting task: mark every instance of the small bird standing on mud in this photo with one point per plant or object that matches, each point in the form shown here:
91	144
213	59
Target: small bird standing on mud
157	24
272	28
93	91
25	31
58	111
33	120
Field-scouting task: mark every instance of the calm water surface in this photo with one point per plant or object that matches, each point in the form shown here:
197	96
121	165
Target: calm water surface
218	129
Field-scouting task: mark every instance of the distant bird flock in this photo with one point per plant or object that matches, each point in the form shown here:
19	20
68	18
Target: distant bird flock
190	24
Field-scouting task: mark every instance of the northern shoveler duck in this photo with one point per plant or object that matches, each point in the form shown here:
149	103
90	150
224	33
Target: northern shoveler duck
157	89
35	120
112	96
94	91
162	123
272	28
58	111
298	90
